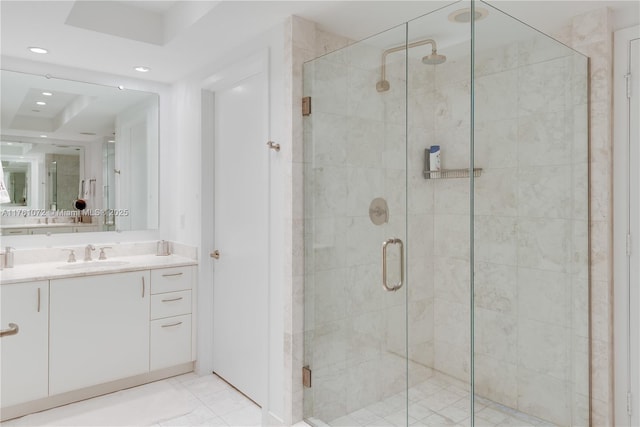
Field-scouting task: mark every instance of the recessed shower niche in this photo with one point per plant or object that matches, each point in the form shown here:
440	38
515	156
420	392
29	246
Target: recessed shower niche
490	325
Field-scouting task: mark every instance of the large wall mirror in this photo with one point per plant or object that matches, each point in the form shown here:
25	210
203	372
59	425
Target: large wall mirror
64	141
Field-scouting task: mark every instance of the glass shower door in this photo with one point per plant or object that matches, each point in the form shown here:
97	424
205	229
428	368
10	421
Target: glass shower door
356	235
531	227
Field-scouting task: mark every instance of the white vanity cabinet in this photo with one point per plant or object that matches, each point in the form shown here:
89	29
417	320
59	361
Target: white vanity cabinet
99	329
24	352
171	307
85	332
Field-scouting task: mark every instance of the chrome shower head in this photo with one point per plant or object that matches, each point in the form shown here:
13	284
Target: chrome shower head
434	59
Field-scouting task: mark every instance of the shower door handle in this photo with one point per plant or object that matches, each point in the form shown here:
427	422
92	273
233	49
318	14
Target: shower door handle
398	285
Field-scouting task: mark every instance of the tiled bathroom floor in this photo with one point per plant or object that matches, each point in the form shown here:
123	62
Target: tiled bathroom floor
190	400
186	400
436	402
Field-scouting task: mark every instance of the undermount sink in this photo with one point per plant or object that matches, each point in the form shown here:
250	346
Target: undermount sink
91	264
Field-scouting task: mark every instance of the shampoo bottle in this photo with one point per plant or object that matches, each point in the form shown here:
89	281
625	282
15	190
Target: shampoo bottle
434	158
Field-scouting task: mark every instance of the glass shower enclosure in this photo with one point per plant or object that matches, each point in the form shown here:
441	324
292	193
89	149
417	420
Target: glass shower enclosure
452	293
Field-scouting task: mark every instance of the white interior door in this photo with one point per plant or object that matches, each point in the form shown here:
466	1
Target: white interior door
240	279
627	226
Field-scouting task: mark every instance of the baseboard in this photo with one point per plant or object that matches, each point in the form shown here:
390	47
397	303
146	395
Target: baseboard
49	402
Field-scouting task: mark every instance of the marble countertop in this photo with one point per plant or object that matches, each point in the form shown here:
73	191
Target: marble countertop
58	270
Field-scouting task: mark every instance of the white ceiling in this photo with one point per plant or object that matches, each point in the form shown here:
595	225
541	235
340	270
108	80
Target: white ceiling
192	34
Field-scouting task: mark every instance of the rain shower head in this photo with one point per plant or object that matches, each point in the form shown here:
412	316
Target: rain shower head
433	59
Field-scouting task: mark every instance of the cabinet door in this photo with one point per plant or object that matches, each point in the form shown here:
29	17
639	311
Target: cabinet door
170	341
24	355
99	329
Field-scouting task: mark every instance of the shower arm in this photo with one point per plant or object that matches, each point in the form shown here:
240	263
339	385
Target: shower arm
383	68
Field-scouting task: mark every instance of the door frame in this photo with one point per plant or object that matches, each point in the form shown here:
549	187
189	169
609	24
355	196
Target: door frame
623	264
226	78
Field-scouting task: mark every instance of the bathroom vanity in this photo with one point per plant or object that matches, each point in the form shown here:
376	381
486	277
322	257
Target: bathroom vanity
74	330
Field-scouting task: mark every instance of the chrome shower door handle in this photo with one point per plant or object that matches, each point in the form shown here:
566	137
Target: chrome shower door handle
398	285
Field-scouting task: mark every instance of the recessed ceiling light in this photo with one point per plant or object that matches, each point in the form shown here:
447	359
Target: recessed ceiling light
9	143
41	103
111	140
142	69
47	93
36	49
43	136
462	16
121	87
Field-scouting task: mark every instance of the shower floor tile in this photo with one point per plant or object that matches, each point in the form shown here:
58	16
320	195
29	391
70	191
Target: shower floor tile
437	402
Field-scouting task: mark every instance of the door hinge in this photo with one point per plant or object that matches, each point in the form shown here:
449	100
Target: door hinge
628	244
629	403
306	376
306	106
628	79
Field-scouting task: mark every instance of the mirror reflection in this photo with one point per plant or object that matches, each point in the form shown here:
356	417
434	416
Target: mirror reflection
63	141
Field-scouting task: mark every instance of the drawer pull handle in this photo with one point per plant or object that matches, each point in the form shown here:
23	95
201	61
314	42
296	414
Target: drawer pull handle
172	274
13	330
172	324
38	300
172	299
142	286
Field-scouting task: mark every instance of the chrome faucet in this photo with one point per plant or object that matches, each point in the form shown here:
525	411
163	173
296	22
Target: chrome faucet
103	255
87	252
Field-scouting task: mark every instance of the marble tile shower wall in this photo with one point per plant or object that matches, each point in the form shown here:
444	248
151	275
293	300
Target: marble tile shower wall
68	177
591	34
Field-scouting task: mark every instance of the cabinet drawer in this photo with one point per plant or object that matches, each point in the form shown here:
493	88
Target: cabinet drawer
170	304
171	279
170	342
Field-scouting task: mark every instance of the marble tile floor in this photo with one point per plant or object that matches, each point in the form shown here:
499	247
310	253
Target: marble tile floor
185	400
436	402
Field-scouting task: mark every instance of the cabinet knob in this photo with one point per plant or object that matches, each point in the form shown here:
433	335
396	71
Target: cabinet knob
215	254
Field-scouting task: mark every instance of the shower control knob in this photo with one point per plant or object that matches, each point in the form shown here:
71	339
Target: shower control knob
215	254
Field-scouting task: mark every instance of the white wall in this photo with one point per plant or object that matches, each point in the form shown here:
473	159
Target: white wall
191	186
